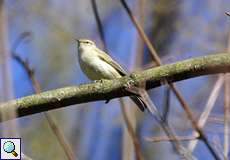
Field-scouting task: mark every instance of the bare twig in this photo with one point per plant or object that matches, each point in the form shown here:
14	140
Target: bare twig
9	130
5	55
226	107
22	37
108	89
173	87
60	136
226	114
216	119
219	148
207	110
140	45
130	127
128	147
165	138
99	24
183	152
142	33
131	131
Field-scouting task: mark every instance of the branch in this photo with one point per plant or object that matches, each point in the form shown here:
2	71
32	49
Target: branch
99	24
50	119
166	138
131	131
207	110
108	89
179	96
226	107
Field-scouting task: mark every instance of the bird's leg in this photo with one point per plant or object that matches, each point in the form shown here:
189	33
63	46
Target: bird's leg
107	101
98	81
136	90
101	81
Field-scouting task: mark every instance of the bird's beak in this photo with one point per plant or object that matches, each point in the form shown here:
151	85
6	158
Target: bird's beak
78	42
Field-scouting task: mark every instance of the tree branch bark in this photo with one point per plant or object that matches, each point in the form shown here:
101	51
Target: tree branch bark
109	89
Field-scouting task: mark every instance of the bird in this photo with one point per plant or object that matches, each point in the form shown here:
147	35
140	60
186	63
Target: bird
97	64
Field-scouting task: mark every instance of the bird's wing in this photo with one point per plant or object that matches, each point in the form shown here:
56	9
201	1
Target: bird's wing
105	57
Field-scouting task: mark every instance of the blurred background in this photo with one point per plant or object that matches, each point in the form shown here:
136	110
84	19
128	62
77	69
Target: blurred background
178	30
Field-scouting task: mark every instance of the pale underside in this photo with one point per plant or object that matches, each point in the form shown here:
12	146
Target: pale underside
98	69
99	66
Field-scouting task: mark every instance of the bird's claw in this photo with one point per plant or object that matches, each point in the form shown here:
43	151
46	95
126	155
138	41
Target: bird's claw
133	90
99	81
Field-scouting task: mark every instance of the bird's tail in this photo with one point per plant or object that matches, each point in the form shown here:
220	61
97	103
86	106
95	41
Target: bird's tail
139	102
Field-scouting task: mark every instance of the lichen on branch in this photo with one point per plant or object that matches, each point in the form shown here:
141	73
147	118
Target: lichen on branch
109	89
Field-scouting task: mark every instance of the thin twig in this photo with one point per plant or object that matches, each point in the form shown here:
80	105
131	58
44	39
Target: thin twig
129	126
142	33
131	131
226	107
140	45
207	110
131	112
53	125
217	145
166	138
22	37
173	87
183	152
109	89
216	119
226	114
99	24
6	89
15	45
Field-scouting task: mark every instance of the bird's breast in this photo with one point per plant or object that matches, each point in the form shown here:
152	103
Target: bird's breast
96	69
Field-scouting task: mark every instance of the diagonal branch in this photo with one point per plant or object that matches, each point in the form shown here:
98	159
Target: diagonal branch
207	110
131	131
179	96
166	138
99	23
51	121
108	89
226	107
127	119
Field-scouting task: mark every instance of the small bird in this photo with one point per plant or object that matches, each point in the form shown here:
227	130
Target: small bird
98	65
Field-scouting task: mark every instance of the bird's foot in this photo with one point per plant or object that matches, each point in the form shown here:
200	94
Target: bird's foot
99	81
107	101
136	90
133	90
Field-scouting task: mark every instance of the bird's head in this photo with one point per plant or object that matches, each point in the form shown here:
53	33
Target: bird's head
85	43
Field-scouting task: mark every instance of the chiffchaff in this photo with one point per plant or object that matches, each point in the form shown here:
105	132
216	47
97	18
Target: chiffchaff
97	65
